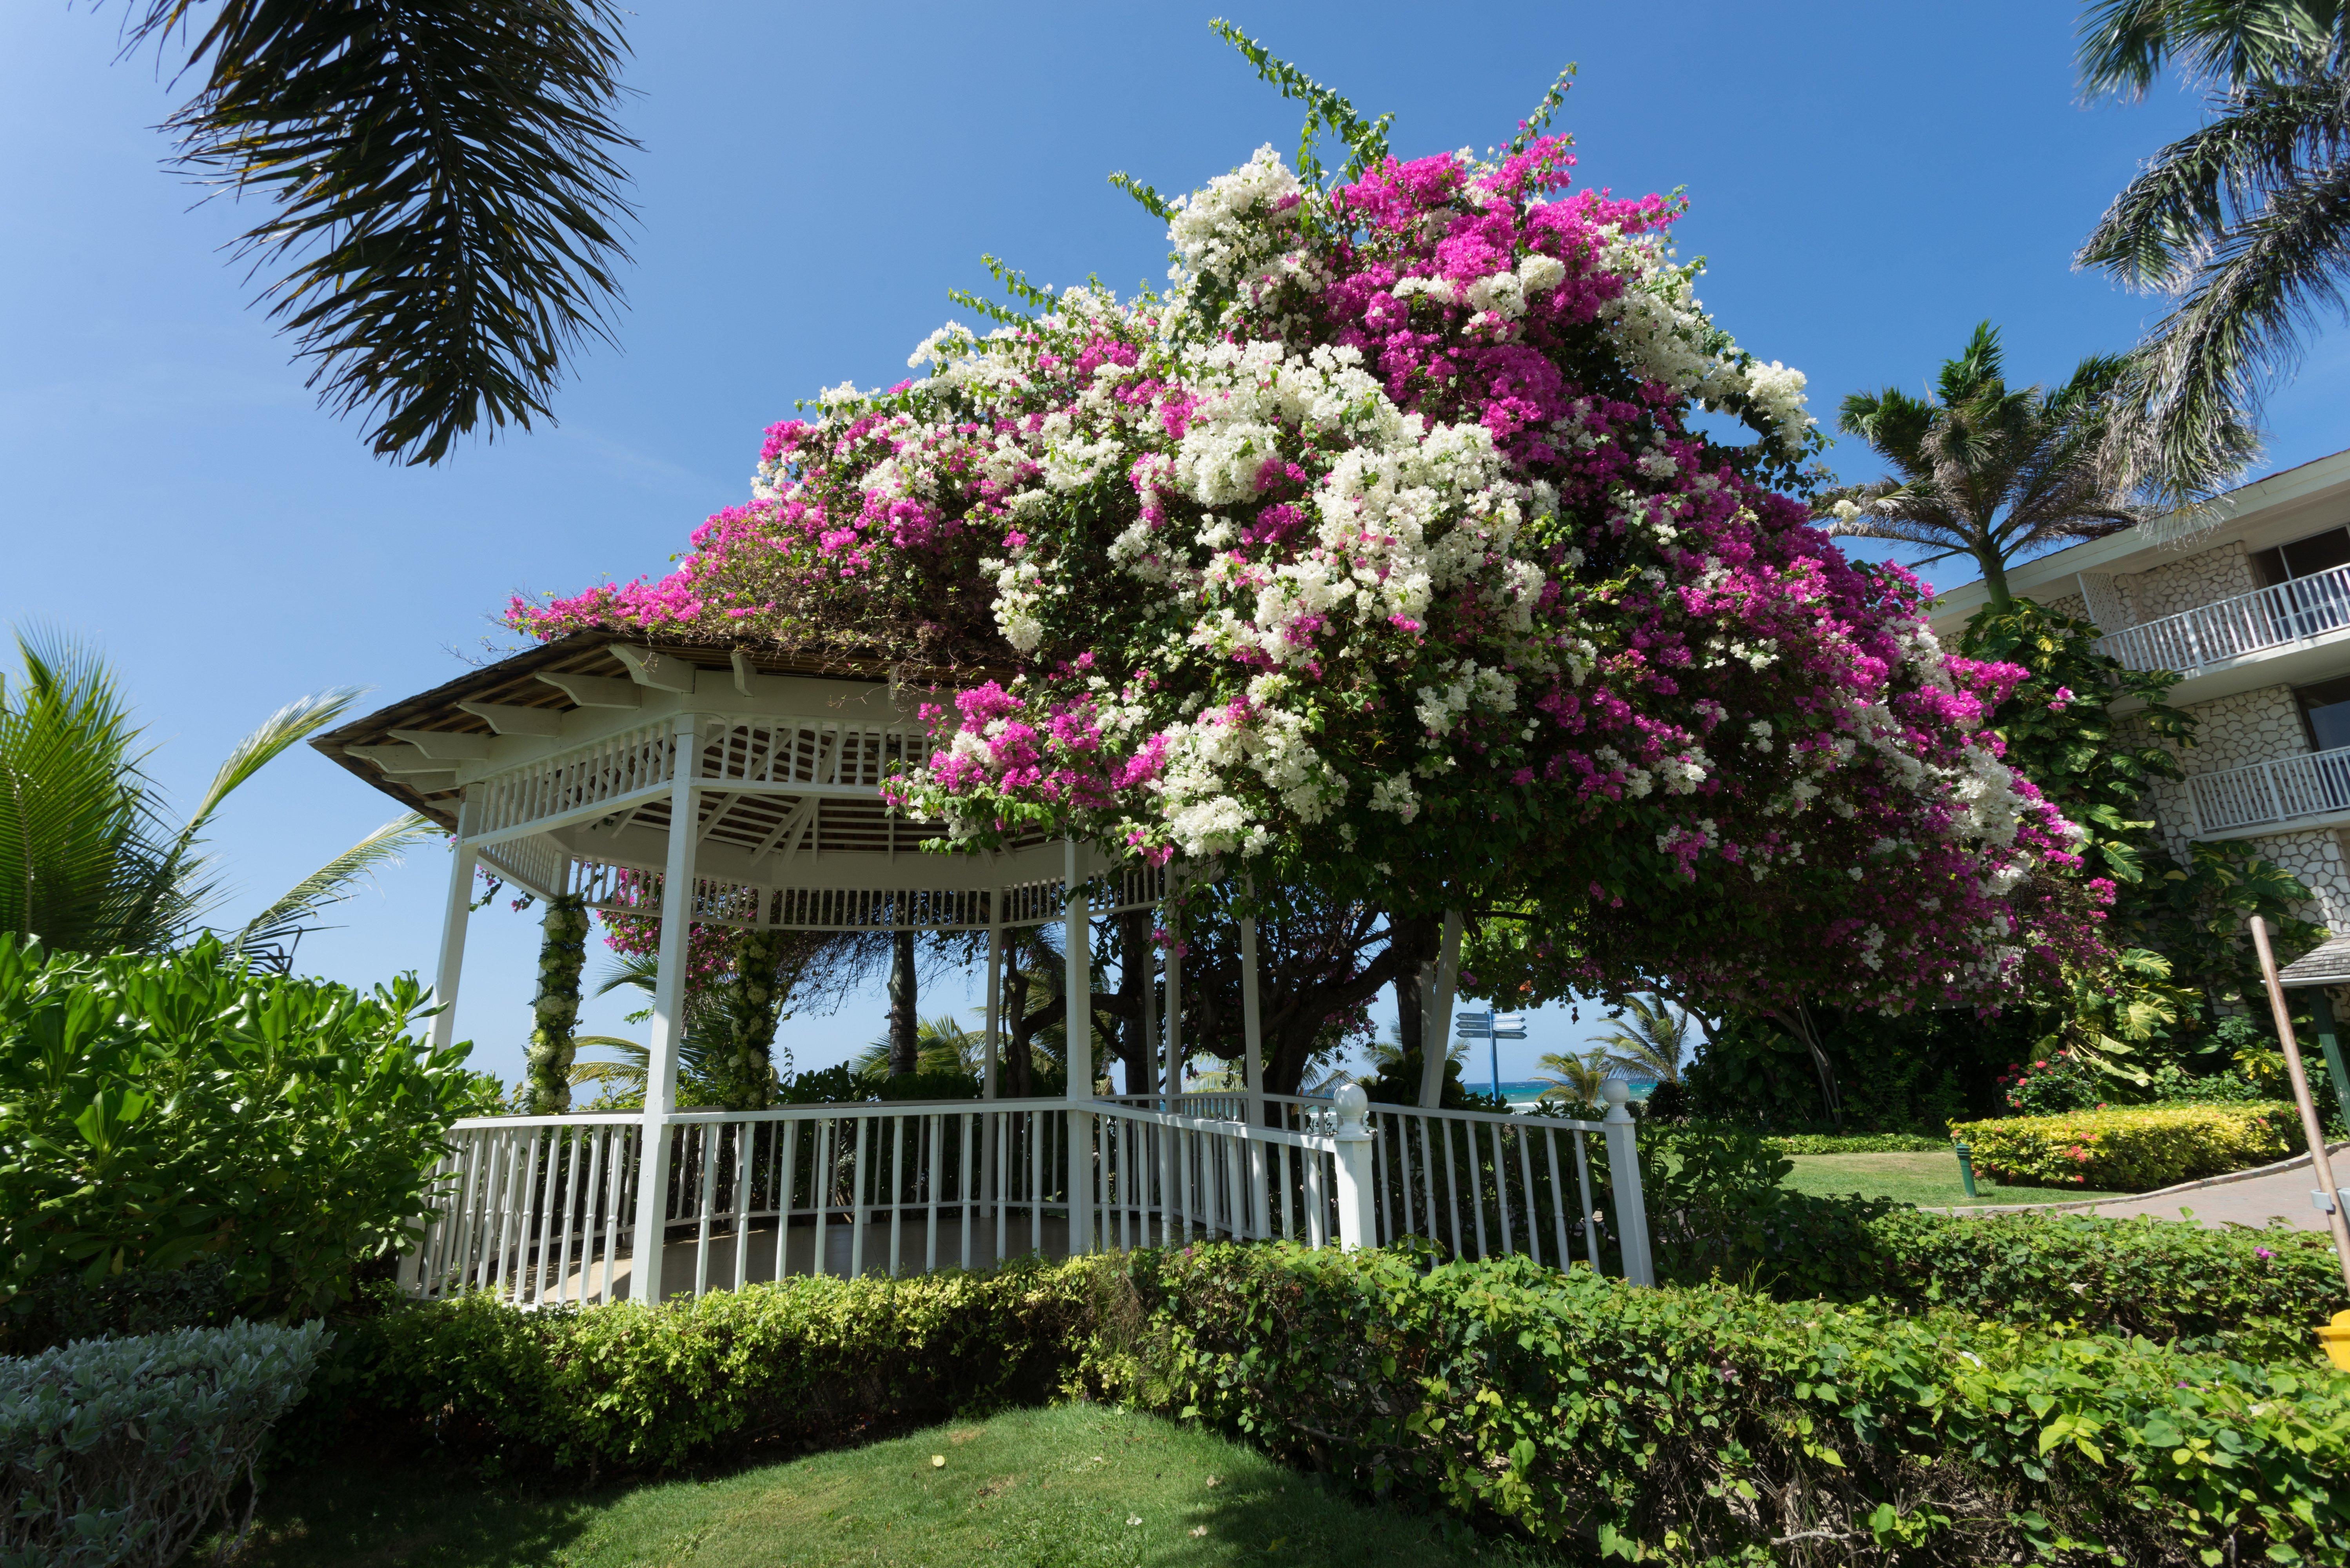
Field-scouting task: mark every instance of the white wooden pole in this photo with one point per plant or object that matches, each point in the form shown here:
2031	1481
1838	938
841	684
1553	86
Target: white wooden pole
1078	991
1624	1176
987	1073
669	1013
1436	1017
1252	1017
1149	959
463	858
2321	1163
1358	1213
1174	1003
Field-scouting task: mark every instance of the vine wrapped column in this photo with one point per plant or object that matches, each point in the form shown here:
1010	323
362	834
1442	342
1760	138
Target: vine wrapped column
555	1010
750	1006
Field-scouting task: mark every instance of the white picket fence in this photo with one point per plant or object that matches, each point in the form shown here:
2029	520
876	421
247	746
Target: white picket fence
541	1209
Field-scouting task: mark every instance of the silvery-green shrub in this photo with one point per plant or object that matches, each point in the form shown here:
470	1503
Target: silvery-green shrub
121	1451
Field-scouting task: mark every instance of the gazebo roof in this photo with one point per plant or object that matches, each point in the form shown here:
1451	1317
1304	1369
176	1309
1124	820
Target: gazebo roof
518	682
563	767
2328	963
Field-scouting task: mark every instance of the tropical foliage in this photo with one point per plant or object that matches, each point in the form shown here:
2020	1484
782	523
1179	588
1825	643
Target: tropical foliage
1574	1078
1383	543
445	191
157	1109
90	860
1988	471
1652	1039
2241	223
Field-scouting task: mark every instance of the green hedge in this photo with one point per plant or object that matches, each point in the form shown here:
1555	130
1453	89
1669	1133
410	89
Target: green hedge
813	1359
121	1451
2132	1148
1686	1424
2255	1293
1854	1143
1691	1426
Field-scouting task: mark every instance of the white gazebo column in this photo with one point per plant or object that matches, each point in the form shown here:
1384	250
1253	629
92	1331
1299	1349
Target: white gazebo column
1436	1012
462	860
669	1016
1174	1080
1149	960
1078	994
1251	1022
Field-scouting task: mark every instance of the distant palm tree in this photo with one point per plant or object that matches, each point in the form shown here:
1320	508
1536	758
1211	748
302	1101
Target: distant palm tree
1388	1051
942	1045
89	860
1574	1078
1987	470
445	187
1650	1038
2244	223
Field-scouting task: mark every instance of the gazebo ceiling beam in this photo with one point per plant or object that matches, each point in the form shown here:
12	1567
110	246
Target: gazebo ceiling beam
445	746
507	718
661	672
594	690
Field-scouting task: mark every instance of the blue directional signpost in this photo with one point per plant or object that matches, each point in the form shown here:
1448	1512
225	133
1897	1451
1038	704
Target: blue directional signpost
1491	1028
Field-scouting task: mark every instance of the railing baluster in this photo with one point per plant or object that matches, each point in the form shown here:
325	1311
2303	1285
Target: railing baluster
709	1201
745	1147
858	1222
787	1178
1590	1214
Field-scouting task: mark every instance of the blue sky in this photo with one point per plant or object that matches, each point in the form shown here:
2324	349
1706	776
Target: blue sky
1867	181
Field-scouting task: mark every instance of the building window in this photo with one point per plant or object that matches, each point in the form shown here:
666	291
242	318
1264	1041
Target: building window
2303	557
2325	710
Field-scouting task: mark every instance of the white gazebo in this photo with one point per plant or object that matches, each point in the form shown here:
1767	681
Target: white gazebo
740	786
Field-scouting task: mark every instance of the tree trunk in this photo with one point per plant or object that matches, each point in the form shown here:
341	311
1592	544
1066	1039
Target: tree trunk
1019	1066
905	1045
1134	974
1994	571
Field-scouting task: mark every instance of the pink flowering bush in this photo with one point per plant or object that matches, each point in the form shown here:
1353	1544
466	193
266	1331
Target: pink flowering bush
1383	550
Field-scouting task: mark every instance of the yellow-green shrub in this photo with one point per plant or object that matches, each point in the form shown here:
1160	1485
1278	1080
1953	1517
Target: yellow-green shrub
2130	1148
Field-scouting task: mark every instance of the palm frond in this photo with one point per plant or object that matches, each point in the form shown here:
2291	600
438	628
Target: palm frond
80	862
2126	43
446	190
2236	329
276	927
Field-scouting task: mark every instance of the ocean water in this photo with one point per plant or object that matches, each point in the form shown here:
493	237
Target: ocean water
1526	1092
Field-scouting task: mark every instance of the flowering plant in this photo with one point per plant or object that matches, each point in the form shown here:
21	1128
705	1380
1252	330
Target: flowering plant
1384	550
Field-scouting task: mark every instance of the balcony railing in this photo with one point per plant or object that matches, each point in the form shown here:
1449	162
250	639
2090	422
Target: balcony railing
2317	784
2208	634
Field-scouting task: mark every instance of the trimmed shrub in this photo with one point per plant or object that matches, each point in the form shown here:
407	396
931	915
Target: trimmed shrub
2256	1295
809	1359
159	1108
116	1450
1695	1425
1854	1143
2131	1148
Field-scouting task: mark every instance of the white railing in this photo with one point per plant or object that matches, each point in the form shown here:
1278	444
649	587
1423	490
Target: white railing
2208	634
540	1210
2315	783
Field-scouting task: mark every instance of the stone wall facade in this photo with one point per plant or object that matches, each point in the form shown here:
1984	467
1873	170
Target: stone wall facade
2316	858
2187	583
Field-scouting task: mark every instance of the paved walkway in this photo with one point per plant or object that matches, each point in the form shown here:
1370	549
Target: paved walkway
2282	1194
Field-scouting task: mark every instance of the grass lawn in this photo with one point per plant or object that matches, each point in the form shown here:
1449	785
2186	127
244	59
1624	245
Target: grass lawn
1034	1489
1926	1179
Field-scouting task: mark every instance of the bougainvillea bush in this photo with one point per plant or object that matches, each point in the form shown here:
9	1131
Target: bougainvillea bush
1384	549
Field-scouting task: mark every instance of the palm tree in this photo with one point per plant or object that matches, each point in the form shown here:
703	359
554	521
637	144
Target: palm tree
1574	1078
90	860
2244	223
445	191
1986	470
942	1045
1650	1037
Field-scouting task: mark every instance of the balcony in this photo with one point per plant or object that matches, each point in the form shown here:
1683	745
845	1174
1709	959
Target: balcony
2264	796
2208	634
